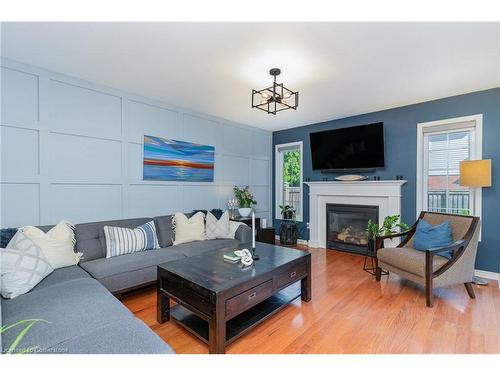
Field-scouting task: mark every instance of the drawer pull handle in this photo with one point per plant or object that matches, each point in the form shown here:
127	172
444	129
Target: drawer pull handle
293	274
252	296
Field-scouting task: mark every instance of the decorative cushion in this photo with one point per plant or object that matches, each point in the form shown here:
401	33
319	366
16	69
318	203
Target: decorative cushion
217	212
233	227
218	228
6	235
120	241
164	230
57	244
22	266
428	237
188	230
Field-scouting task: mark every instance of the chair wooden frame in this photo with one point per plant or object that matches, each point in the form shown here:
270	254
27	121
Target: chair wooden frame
458	247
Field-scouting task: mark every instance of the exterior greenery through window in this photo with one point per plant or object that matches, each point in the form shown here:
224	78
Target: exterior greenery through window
289	178
291	168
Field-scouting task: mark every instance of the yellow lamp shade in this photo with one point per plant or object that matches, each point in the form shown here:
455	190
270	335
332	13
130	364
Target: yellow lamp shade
475	173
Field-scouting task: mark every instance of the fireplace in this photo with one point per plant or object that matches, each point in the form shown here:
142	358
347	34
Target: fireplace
346	226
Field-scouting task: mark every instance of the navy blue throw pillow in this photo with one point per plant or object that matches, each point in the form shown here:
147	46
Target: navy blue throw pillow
6	235
215	211
428	237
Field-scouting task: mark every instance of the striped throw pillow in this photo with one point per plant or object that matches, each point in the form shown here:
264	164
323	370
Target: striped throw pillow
121	241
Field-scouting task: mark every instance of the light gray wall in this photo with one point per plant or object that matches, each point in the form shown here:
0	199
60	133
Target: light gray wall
71	149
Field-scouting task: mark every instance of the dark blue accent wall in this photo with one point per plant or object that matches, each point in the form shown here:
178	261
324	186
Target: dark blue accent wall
400	133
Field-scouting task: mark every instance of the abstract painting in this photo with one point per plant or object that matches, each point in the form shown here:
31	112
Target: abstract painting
170	160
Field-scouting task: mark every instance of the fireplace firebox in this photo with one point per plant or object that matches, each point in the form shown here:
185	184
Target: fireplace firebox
346	227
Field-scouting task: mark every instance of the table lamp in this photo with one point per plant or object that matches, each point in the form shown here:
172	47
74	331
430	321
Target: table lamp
476	174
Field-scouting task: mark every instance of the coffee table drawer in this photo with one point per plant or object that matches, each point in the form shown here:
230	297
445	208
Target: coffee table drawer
292	274
248	298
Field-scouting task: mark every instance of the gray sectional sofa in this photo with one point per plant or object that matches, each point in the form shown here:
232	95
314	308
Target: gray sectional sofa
78	302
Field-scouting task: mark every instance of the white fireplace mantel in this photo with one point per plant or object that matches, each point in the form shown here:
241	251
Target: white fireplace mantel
386	194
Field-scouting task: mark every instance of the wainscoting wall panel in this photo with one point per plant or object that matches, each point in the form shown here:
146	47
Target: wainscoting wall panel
153	200
73	150
79	201
19	97
20	203
75	109
24	144
152	120
233	165
84	157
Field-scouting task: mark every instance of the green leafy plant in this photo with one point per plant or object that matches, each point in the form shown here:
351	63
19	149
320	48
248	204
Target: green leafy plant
291	168
28	323
244	197
287	212
392	224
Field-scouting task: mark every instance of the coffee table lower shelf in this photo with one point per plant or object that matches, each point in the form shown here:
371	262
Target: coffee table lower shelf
240	324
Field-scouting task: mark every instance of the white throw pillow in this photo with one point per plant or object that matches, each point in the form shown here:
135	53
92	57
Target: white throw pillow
22	266
57	244
189	230
218	228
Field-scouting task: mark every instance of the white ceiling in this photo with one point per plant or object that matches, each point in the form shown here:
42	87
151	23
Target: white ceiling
340	69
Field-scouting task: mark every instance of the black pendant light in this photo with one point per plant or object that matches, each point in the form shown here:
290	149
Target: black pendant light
275	98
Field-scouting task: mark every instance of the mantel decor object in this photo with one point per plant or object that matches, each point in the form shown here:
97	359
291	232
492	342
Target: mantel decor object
350	177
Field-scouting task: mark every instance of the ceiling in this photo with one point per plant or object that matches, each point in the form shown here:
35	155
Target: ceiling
340	69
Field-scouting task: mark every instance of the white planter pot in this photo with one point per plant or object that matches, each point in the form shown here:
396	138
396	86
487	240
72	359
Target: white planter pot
245	212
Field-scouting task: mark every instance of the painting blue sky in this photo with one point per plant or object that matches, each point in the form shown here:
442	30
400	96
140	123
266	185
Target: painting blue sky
171	160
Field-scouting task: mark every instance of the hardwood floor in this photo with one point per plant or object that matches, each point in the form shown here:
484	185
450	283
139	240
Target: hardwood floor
351	313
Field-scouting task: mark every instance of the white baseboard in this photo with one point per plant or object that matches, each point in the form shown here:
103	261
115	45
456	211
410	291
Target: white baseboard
488	275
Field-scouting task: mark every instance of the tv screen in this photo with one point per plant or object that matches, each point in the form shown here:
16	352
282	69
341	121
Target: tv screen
358	147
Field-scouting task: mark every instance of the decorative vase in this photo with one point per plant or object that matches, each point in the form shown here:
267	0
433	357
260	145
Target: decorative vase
288	233
245	211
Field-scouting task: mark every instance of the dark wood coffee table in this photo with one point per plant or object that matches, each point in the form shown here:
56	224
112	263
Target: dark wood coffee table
219	301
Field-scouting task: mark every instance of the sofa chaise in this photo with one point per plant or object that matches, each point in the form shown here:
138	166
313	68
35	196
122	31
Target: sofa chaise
78	303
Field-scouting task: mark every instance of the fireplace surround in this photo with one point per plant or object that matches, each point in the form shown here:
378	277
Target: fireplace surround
384	194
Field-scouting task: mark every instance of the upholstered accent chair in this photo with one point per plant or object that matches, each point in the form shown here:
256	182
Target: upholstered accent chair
428	268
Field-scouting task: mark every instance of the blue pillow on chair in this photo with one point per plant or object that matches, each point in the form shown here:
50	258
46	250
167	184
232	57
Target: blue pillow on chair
428	237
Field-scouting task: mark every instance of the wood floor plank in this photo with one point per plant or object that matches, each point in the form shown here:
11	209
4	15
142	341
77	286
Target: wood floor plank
351	313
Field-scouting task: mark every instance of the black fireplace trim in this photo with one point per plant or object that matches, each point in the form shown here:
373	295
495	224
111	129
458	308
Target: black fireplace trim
343	246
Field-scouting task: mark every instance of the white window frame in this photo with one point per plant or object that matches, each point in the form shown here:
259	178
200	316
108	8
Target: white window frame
457	123
278	174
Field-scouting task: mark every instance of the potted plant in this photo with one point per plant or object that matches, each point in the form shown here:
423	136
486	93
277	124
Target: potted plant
287	212
245	200
391	225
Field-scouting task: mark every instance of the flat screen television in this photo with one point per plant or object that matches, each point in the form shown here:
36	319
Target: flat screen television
354	148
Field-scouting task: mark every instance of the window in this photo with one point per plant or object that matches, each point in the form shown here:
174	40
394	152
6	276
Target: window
441	146
288	159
